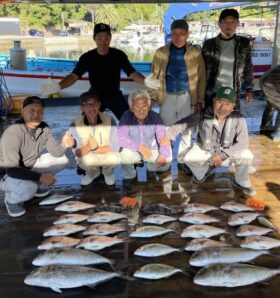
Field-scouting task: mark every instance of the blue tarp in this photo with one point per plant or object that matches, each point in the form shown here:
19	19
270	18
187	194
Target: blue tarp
179	10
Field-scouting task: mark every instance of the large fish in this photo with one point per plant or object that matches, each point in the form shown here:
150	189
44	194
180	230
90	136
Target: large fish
58	242
202	231
73	206
59	277
158	219
149	231
202	243
69	256
242	218
251	230
63	230
161	209
236	207
103	229
266	223
71	218
54	199
198	218
260	242
199	208
232	275
96	243
224	255
156	271
154	250
105	217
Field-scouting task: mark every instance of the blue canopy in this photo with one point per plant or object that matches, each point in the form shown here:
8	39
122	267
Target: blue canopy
179	10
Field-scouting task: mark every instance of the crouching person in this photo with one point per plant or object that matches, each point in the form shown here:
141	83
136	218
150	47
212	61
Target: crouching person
142	137
96	141
222	141
21	157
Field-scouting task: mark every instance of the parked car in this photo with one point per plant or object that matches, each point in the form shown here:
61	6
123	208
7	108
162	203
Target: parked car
60	32
34	32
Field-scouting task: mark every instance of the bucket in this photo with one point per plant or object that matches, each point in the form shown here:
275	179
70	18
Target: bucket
17	104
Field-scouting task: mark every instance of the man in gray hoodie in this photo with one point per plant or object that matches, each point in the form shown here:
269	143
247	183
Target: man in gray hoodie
22	163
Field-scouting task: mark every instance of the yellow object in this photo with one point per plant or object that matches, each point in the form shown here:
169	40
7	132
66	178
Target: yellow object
17	104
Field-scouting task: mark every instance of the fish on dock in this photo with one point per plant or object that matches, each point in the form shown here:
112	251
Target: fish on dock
161	209
73	206
155	250
198	218
71	218
103	229
96	243
236	207
266	223
202	231
251	230
69	256
156	271
242	218
232	275
158	219
149	231
55	199
58	242
63	230
105	217
202	243
259	242
199	208
59	277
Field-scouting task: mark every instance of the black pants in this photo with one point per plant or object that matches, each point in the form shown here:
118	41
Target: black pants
116	103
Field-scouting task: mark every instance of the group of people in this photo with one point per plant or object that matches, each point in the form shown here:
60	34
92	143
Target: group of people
194	88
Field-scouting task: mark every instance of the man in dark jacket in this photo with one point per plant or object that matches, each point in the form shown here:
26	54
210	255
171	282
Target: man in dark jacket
228	60
21	157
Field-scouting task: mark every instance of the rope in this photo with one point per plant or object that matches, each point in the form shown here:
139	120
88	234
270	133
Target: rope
6	101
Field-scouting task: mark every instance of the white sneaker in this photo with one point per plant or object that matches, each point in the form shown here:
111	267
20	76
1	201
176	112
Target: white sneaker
110	180
88	179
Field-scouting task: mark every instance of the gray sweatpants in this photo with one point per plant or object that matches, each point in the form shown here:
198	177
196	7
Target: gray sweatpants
18	190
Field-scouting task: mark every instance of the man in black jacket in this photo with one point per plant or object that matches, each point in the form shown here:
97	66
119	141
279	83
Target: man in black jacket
21	157
228	60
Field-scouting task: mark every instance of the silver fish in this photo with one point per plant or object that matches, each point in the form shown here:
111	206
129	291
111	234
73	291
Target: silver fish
58	242
154	250
198	218
63	230
71	218
232	275
158	219
251	230
202	243
105	217
242	218
202	231
96	243
54	199
149	231
199	208
224	255
266	223
236	207
73	206
260	242
156	271
103	229
59	277
69	256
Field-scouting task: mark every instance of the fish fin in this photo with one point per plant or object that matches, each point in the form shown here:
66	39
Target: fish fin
58	290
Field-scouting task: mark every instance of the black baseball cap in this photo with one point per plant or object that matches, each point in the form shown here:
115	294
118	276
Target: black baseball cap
229	12
86	96
33	99
180	24
101	27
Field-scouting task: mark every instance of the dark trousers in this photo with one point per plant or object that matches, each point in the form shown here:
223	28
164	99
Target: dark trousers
116	103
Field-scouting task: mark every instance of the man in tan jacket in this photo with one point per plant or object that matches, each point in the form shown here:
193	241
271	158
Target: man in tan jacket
180	69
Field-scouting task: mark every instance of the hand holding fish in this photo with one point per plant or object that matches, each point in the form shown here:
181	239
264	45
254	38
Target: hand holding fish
67	140
92	143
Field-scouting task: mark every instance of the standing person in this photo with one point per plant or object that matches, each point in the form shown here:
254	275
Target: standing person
228	60
142	137
26	168
270	85
96	144
104	65
180	69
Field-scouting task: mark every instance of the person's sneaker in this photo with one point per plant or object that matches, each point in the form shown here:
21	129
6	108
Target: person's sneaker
151	175
187	170
127	182
14	210
110	180
249	191
209	173
42	192
88	179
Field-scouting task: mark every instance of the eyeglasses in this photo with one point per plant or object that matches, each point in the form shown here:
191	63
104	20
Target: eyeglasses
90	104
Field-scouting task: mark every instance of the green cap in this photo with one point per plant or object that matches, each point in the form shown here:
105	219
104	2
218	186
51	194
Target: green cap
226	93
